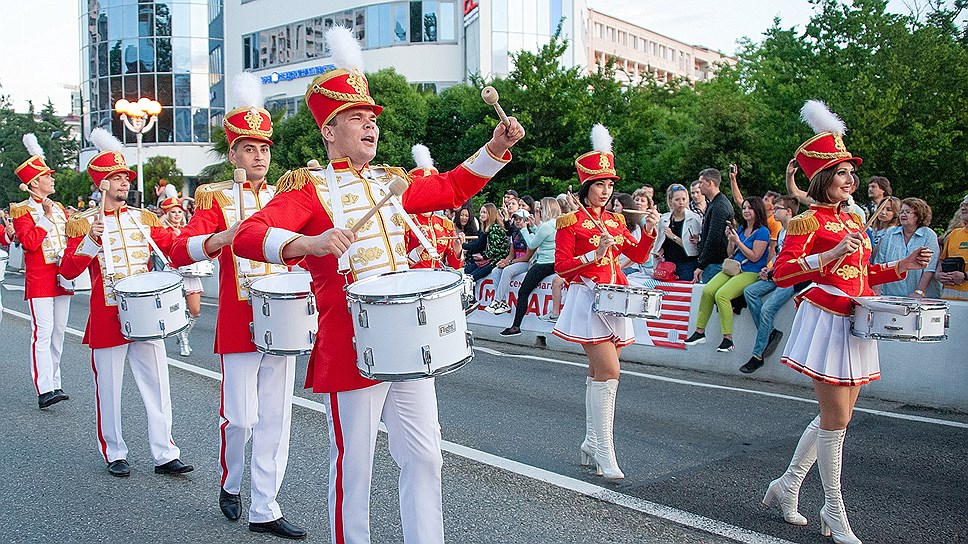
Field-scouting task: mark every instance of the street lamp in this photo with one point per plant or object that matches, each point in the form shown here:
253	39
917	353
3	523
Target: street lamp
135	116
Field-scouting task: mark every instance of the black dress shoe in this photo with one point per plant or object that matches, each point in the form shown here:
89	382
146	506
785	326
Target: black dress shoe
230	505
50	398
279	527
62	393
174	466
119	468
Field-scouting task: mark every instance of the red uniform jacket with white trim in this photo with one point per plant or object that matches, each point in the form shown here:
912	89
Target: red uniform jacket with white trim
43	241
577	240
811	233
215	211
130	253
304	206
442	235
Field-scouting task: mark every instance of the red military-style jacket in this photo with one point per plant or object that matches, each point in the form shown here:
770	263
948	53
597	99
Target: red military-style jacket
811	233
304	205
215	211
441	233
577	240
129	251
43	241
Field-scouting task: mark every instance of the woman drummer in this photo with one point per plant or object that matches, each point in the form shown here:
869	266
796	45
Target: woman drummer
174	218
587	248
829	246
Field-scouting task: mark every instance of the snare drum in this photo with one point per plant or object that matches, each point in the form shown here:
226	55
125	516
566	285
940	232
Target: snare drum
284	317
627	301
151	305
201	269
409	325
900	318
80	283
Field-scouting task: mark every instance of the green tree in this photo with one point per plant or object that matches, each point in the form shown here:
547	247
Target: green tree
158	168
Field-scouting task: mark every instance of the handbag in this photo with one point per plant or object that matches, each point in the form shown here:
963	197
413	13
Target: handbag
732	267
953	264
480	261
665	271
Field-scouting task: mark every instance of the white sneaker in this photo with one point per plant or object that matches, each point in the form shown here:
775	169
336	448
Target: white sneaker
502	308
491	307
550	318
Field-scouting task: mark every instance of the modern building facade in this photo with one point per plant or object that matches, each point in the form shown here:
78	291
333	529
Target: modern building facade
166	50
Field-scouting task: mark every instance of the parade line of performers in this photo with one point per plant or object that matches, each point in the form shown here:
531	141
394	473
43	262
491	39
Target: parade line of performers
255	229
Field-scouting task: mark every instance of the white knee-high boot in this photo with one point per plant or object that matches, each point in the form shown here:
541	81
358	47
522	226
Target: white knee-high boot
785	490
186	349
833	515
603	418
587	452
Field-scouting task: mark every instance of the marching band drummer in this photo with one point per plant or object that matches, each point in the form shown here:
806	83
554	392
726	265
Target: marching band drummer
437	230
587	249
39	225
828	245
87	234
308	221
173	218
257	388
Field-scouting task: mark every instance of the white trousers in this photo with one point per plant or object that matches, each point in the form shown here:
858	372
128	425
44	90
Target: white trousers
409	411
48	317
256	403
149	364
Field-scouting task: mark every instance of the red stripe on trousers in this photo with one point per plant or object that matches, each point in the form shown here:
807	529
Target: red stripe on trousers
97	407
221	428
338	433
33	346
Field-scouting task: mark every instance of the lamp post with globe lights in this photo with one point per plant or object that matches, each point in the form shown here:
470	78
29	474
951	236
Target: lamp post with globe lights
139	117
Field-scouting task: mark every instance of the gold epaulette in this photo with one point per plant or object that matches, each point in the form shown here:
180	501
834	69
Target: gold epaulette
149	218
398	172
19	210
803	224
620	218
448	224
210	193
857	219
78	224
566	220
294	180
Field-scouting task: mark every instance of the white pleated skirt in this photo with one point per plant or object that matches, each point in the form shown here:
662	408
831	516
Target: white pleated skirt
192	285
822	347
578	323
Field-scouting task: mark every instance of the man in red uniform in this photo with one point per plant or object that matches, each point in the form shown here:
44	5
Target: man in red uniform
113	248
256	394
39	225
440	232
308	221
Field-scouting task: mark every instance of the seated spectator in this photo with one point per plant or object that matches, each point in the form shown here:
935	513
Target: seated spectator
542	241
768	199
466	225
649	191
642	200
512	264
676	233
623	203
955	282
888	217
898	242
763	313
748	246
526	202
557	287
698	200
491	246
511	205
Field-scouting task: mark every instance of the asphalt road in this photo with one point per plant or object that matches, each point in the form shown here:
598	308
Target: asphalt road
697	450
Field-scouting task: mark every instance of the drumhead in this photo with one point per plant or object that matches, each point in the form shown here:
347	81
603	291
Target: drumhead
148	282
913	304
290	284
404	284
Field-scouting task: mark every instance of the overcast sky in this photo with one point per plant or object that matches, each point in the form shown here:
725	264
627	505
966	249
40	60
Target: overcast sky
40	40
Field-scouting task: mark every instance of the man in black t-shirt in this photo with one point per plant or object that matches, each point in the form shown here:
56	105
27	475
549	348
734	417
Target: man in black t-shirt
712	242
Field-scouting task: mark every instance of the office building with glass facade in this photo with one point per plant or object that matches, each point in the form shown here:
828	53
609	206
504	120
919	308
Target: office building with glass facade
166	50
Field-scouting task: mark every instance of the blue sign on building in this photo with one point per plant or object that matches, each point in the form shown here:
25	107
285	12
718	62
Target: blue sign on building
276	77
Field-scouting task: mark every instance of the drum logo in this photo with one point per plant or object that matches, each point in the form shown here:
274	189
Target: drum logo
447	328
174	307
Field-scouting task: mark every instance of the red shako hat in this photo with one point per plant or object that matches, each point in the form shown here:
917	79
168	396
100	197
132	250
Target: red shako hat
110	160
600	163
827	147
248	119
346	86
34	167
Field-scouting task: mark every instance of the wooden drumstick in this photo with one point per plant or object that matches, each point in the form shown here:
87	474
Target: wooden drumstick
490	96
238	176
866	226
397	187
23	187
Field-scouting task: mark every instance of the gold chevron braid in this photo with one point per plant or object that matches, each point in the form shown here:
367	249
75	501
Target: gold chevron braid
601	163
118	163
838	143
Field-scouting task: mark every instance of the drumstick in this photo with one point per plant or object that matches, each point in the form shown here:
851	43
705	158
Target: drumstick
490	96
866	226
103	187
397	187
239	177
23	187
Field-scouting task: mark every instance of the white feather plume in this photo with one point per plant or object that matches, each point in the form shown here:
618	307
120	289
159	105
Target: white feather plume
421	156
32	145
344	49
105	141
601	139
247	91
816	114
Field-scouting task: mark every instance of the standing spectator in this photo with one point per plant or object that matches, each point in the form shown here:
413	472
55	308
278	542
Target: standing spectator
878	188
712	241
526	202
642	200
698	201
649	190
512	205
488	248
955	282
767	337
900	241
888	217
565	204
515	262
768	199
676	233
749	247
542	241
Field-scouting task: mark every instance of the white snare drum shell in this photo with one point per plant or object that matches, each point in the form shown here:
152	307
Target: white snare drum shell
284	315
151	305
900	319
627	301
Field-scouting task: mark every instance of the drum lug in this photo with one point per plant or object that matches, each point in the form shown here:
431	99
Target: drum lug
421	314
265	307
252	331
947	319
425	353
312	337
161	325
268	338
364	321
311	304
368	359
124	305
469	336
127	327
919	322
158	301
